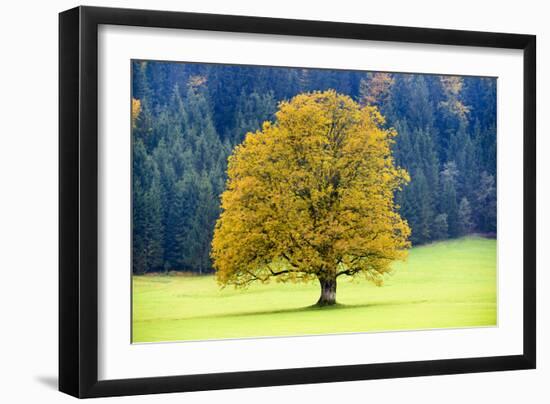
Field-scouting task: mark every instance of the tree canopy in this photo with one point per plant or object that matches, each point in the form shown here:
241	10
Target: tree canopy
311	196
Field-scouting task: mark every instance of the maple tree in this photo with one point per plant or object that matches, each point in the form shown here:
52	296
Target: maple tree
311	196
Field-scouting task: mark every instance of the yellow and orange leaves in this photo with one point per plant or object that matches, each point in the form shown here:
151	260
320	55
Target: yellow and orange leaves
375	90
196	81
136	109
452	87
310	193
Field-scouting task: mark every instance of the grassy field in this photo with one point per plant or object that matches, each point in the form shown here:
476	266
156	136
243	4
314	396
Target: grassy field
446	284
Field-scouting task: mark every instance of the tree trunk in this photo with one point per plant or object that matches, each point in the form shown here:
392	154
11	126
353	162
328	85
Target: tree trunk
328	292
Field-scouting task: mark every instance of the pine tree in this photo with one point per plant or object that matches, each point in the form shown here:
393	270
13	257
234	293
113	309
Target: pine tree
448	200
440	228
423	216
486	200
465	223
154	232
252	110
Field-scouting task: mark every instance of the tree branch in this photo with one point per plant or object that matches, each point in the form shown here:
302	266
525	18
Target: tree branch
273	273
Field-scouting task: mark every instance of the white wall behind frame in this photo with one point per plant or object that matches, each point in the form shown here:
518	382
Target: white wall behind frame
28	214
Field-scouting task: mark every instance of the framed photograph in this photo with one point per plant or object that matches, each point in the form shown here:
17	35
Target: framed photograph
251	201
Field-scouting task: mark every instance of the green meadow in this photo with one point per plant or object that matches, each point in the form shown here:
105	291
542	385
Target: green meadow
442	285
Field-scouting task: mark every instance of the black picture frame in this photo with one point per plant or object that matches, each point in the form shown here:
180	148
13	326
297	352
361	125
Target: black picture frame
78	201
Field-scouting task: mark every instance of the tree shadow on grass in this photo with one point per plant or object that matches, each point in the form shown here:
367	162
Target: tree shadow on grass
312	308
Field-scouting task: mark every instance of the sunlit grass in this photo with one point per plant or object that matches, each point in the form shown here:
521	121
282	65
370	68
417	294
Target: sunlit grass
443	285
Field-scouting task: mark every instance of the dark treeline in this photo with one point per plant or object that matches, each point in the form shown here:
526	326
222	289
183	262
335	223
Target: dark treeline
186	119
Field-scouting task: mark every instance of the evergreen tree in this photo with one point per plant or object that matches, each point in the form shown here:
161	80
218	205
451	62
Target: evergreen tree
420	209
154	231
440	230
448	199
147	229
465	223
252	111
486	200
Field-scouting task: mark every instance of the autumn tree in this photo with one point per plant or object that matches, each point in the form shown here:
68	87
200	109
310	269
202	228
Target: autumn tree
311	196
452	87
136	108
376	89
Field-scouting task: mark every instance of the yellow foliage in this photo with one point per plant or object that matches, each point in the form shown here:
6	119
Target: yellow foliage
452	86
376	89
196	81
136	109
312	196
